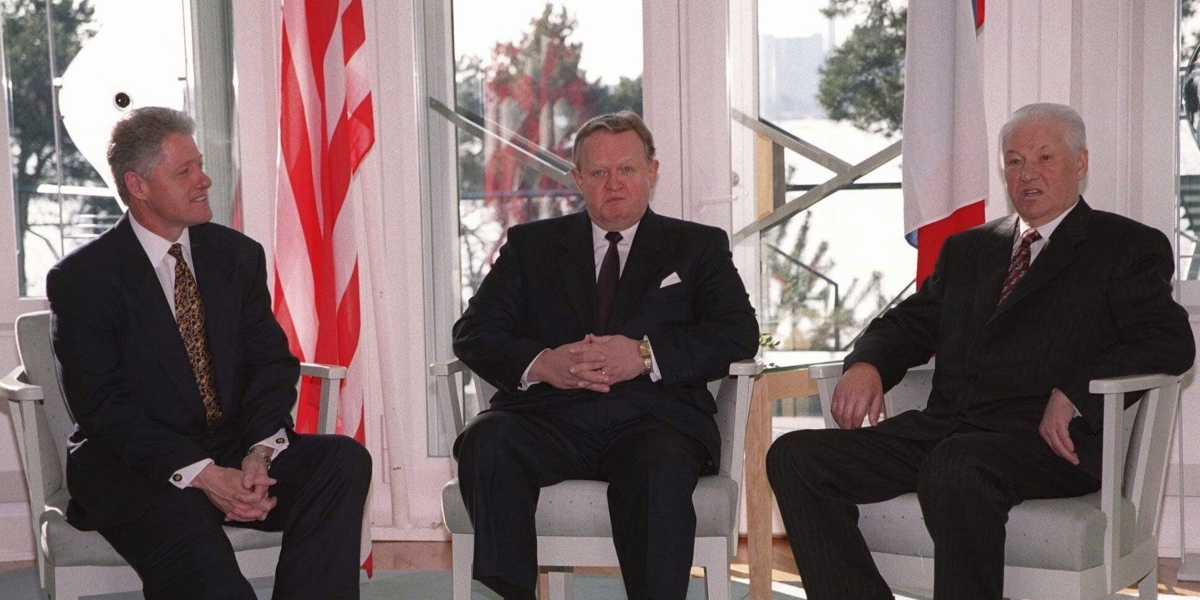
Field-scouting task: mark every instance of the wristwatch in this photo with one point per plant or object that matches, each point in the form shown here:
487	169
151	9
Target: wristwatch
644	352
261	453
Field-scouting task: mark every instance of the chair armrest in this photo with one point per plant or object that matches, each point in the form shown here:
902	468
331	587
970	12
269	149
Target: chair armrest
331	372
330	377
825	370
746	368
444	368
15	389
1131	383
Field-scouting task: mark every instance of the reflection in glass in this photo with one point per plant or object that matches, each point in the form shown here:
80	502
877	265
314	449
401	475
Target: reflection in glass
1189	153
533	85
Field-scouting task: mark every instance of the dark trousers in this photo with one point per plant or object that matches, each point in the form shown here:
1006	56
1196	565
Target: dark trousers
966	484
180	551
505	457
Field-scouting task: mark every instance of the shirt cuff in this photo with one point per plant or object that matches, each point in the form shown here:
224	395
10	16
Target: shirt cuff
655	374
278	442
525	383
183	477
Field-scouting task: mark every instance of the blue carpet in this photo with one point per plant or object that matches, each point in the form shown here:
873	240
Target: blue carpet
21	584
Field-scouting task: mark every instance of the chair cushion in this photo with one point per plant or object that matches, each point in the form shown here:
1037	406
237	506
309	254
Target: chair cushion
65	546
579	508
1063	533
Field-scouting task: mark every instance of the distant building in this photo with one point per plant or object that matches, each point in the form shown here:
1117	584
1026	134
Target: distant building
788	77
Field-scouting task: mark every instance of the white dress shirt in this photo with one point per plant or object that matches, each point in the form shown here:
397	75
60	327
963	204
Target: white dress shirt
164	267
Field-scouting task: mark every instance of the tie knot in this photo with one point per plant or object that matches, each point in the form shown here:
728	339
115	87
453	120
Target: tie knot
1030	236
613	237
176	250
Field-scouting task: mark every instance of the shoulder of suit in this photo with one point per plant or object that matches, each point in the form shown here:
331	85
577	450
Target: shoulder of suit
220	235
682	230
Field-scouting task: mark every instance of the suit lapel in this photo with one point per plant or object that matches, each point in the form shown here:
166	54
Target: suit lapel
1055	256
645	258
153	314
221	308
578	267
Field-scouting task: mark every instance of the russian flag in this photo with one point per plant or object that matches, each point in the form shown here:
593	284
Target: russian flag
945	163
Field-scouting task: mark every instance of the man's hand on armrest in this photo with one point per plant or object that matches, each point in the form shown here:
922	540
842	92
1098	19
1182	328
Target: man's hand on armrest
858	394
1055	427
224	489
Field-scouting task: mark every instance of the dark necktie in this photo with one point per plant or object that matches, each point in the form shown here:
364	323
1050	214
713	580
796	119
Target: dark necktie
606	282
189	315
1020	263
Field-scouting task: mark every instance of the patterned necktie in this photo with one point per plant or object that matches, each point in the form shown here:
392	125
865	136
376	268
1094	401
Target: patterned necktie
1020	263
606	282
189	314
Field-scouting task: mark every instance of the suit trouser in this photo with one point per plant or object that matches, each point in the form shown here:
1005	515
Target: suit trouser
505	457
180	551
966	484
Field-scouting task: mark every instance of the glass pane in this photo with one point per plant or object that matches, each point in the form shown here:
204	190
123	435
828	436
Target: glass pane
1189	146
532	72
108	56
833	81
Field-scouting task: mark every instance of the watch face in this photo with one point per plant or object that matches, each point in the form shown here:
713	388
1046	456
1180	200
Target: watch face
644	349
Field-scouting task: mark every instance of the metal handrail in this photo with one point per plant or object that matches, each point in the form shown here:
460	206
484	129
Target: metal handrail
820	192
791	142
837	297
541	161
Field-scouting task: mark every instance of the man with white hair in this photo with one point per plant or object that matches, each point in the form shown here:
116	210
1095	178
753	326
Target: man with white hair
1022	313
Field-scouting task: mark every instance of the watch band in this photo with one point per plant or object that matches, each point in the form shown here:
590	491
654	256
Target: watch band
647	357
261	453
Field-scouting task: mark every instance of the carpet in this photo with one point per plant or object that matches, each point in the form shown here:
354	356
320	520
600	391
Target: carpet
21	584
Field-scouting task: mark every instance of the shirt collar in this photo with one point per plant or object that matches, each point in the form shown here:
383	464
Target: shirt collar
1048	229
598	234
155	246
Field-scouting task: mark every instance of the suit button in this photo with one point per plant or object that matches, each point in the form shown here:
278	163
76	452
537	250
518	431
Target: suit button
973	375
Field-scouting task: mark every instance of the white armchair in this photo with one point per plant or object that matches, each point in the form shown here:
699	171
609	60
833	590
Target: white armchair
73	562
572	517
1086	547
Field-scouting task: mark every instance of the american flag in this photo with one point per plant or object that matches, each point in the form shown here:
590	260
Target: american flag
326	127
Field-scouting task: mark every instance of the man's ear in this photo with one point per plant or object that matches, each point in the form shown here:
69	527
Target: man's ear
136	185
653	172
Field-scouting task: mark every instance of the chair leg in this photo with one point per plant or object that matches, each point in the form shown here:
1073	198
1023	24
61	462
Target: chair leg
462	548
1148	586
562	583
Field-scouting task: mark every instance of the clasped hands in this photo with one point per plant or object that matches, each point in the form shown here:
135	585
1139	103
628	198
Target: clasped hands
859	395
595	363
239	493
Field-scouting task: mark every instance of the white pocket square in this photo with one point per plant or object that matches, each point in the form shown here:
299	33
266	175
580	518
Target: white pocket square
671	279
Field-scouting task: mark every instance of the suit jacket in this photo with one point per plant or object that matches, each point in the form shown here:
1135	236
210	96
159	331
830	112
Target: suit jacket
1095	303
541	293
127	378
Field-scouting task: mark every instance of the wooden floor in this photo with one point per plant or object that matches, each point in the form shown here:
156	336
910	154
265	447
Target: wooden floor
435	556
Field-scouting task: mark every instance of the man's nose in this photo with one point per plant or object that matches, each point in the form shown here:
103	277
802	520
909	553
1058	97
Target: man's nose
205	181
1027	173
611	182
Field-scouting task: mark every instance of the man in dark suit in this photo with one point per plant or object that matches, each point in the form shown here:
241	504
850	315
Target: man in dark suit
599	330
1022	313
181	384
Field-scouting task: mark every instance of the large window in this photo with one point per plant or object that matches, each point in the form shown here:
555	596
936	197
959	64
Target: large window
526	74
71	73
823	131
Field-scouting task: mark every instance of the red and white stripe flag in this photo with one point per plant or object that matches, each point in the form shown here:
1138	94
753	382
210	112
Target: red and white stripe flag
945	131
326	126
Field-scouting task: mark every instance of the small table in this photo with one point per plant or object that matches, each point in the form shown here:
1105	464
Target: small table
786	376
